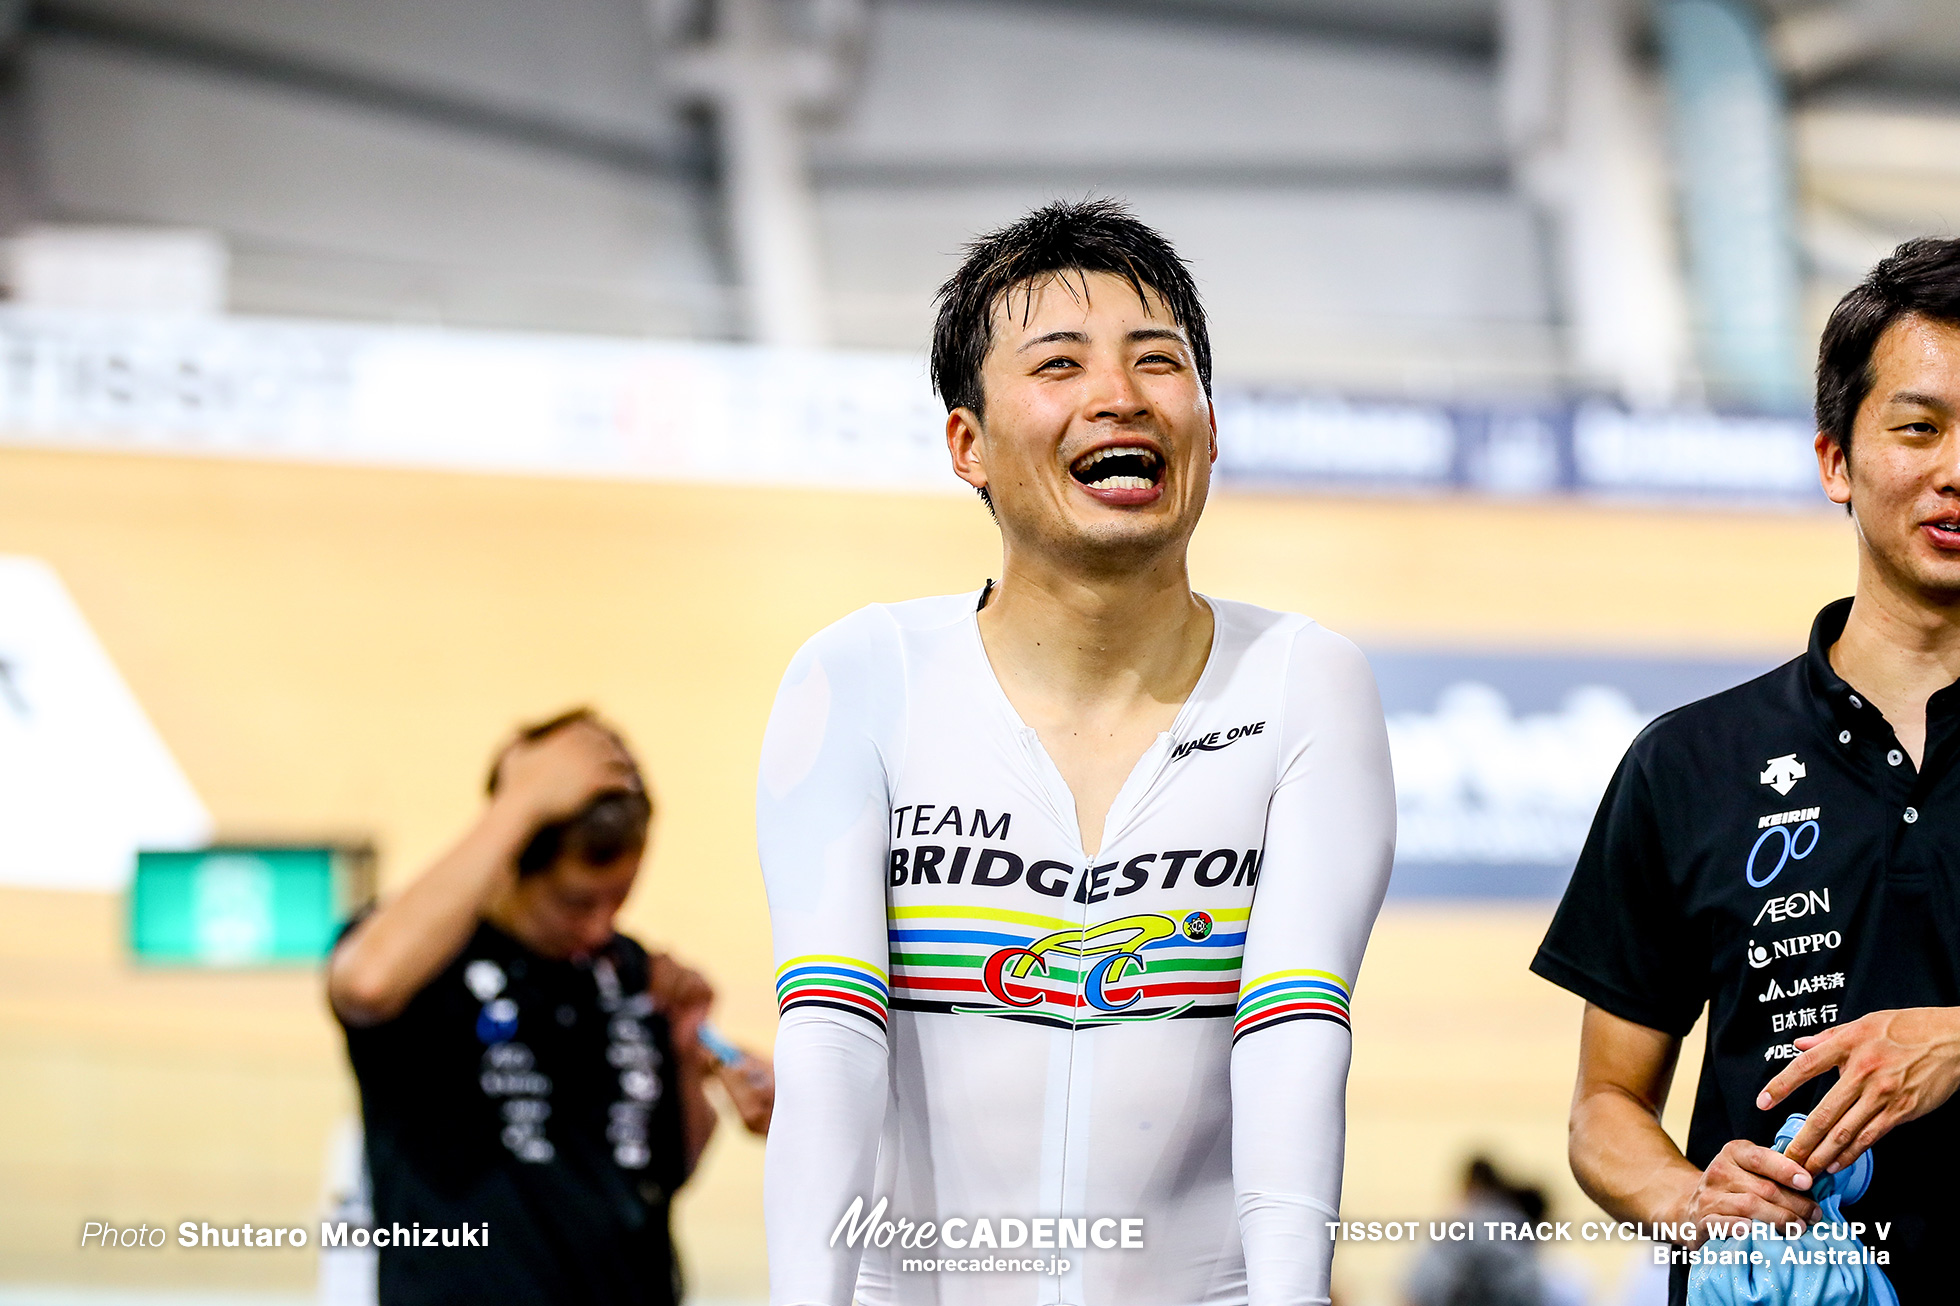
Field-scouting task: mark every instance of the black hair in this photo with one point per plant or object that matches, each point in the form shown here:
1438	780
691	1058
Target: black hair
1920	277
598	834
1082	236
1481	1176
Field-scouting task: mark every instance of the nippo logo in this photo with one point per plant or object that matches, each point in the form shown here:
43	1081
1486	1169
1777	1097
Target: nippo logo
1114	949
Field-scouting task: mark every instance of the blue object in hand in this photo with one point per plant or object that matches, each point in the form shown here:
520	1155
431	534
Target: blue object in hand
1824	1266
718	1047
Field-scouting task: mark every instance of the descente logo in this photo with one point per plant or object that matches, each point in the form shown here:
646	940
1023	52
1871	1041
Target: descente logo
1216	740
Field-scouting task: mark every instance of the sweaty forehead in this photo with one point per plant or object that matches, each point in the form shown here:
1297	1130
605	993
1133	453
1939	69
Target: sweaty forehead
1920	356
1070	296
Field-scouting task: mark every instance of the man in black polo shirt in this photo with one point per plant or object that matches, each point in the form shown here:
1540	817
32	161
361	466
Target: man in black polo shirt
526	1073
1786	853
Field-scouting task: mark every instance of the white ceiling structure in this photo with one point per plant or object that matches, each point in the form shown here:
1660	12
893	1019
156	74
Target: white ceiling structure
1341	173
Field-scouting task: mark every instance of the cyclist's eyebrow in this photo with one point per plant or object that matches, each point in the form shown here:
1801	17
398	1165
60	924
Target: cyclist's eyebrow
1921	399
1055	338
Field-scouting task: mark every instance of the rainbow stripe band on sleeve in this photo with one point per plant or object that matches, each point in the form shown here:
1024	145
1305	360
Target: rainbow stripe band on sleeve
1291	995
842	983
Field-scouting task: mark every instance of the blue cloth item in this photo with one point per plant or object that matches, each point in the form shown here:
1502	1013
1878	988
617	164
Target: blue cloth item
1825	1266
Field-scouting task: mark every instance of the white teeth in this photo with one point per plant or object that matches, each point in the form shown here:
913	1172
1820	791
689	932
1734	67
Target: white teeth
1090	469
1113	451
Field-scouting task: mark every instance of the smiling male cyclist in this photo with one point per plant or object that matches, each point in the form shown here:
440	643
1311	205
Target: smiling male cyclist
1070	877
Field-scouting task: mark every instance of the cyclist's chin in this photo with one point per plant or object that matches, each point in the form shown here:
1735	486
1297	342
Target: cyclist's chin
1117	536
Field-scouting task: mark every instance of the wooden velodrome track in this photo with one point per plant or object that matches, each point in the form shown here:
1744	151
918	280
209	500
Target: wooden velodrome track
336	651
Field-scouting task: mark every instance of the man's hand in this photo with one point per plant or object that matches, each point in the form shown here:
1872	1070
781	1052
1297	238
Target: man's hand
1748	1182
1626	1162
1893	1066
751	1087
683	996
383	962
553	778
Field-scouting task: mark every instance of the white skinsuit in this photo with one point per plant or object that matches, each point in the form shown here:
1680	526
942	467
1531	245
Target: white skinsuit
982	1023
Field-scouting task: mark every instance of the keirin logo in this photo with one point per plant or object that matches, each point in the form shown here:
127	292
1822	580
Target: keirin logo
1793	843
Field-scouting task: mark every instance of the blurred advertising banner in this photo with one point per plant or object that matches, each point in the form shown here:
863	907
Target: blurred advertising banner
741	414
1586	447
1500	760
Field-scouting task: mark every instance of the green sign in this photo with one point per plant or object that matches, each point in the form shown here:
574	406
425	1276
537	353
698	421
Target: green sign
242	906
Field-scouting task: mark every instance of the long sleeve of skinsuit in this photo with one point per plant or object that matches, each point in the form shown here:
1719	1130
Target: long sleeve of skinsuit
1330	838
821	804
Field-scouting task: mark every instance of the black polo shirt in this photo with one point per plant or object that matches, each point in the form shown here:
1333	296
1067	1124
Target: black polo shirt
1772	852
538	1098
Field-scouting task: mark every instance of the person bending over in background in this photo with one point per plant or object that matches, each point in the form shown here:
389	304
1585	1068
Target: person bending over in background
1486	1271
1785	853
1112	849
524	1068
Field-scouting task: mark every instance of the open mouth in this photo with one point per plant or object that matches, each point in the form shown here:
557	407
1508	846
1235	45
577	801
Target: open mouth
1123	467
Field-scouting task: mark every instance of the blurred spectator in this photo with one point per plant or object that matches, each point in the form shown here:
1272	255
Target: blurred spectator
1485	1271
532	1081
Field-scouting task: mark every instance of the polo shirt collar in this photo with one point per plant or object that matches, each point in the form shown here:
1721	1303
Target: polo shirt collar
1841	707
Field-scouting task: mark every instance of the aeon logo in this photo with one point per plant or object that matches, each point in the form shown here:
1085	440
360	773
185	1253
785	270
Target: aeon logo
1114	949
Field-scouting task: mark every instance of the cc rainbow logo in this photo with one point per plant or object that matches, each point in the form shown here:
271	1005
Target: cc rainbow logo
1113	949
